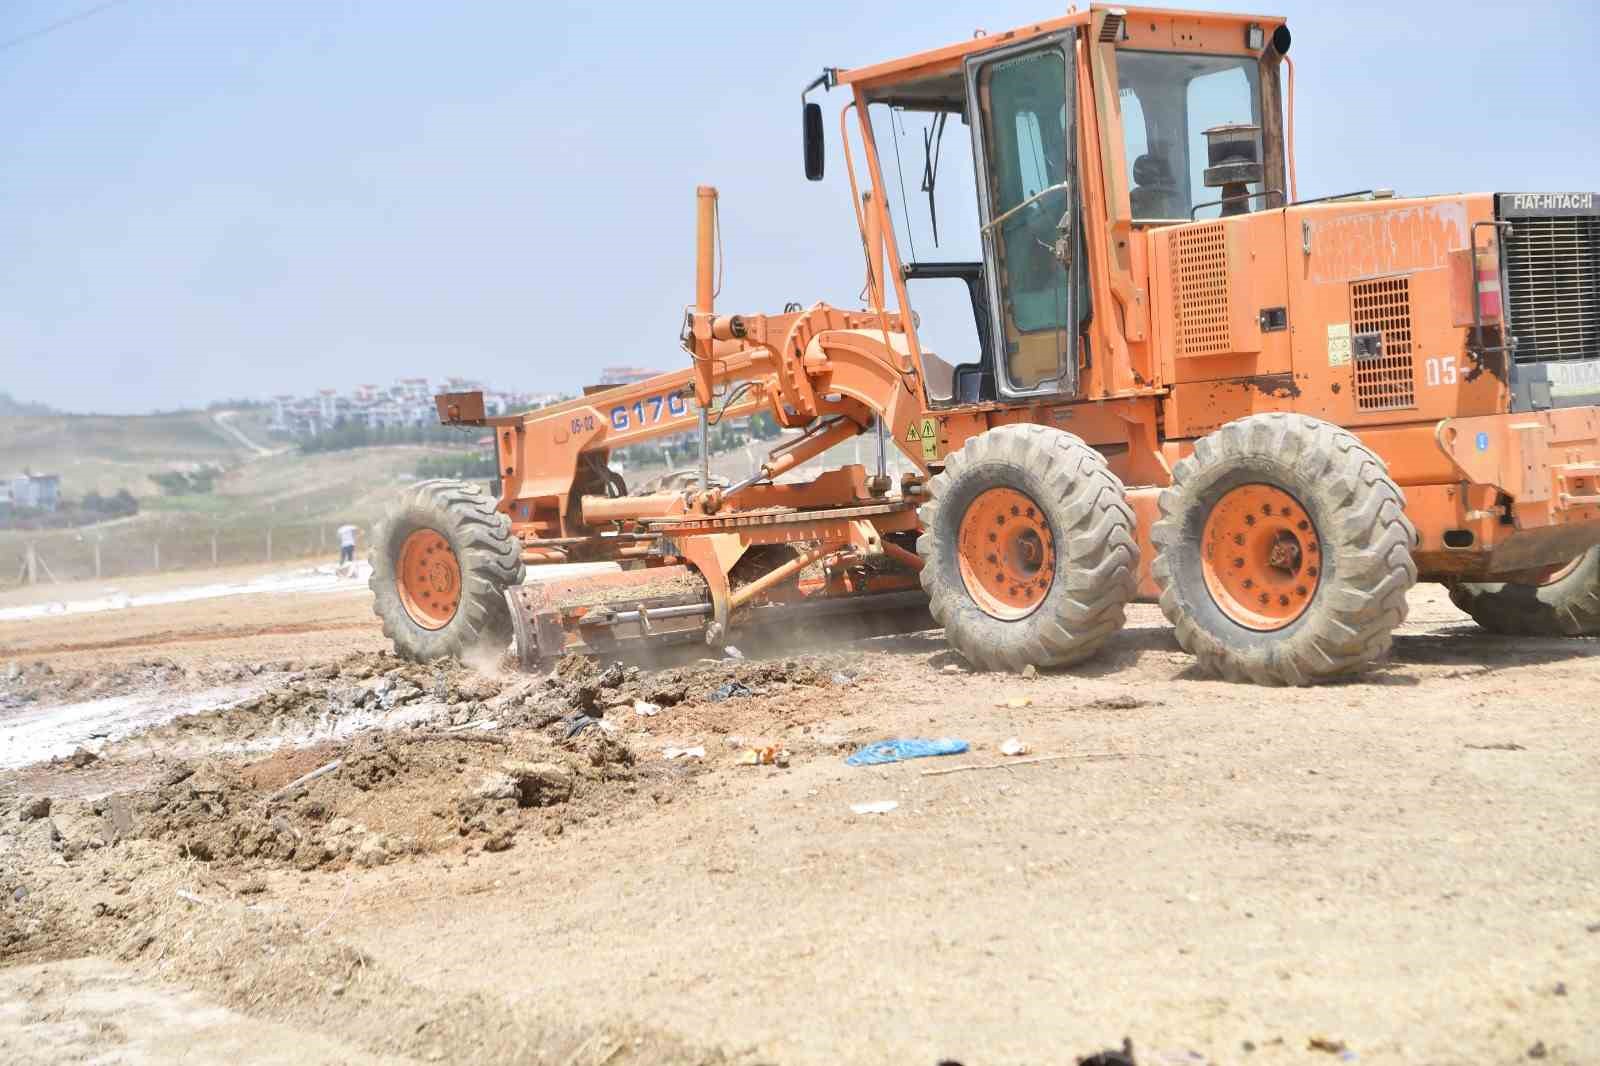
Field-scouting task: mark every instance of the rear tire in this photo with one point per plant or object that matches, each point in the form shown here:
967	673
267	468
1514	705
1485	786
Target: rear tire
1568	606
441	561
1028	549
1283	552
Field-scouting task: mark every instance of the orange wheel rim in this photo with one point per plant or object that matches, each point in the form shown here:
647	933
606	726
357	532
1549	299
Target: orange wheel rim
1261	557
1006	553
429	579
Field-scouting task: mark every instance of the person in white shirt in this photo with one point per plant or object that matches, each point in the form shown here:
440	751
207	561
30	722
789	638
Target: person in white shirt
347	544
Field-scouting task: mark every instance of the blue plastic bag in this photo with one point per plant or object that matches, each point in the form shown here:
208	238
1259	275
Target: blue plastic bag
885	751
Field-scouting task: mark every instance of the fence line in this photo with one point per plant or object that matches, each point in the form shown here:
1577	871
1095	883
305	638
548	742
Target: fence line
62	555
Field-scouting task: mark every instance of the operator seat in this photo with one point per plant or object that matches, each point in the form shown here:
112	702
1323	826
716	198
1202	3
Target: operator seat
1155	191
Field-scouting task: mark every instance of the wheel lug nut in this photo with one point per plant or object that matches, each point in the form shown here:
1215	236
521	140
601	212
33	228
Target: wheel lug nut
1283	601
993	561
1249	584
1238	539
1311	571
1239	563
1249	519
1303	526
1300	590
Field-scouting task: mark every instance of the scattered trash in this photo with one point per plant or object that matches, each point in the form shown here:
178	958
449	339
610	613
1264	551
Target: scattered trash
733	653
1015	702
684	753
608	727
1322	1043
1507	745
887	751
81	757
1030	672
645	710
577	722
1013	746
842	678
1560	989
730	690
773	755
875	807
951	668
1538	1051
1111	1057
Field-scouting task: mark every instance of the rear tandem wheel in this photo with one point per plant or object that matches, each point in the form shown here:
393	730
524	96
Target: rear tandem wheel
1565	604
1283	552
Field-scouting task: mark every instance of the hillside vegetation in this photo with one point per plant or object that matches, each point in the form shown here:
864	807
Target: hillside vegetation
104	453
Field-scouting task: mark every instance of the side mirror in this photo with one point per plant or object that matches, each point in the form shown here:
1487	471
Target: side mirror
813	141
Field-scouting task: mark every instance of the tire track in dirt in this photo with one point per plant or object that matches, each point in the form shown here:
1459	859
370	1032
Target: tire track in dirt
200	636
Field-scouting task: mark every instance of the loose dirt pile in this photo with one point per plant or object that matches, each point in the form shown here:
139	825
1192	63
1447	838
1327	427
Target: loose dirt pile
24	684
415	760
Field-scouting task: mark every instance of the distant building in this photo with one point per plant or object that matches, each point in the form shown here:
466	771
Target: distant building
408	402
625	375
40	492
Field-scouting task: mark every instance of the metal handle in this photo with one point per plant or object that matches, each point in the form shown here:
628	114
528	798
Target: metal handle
1041	194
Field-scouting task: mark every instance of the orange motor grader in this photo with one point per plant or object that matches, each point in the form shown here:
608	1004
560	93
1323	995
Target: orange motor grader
1273	415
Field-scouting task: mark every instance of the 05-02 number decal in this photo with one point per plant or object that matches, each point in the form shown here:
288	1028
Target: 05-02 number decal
647	411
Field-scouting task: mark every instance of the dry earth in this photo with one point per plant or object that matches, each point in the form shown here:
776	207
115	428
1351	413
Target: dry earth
1401	869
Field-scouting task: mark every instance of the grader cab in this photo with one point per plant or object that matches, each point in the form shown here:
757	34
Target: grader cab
1182	383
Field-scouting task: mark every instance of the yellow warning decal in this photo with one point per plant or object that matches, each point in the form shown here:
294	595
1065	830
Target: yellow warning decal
925	430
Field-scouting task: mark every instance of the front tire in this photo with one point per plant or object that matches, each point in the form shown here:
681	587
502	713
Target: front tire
1567	605
441	561
1283	552
1028	549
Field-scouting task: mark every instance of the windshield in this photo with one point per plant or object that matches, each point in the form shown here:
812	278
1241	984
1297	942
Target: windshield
1168	101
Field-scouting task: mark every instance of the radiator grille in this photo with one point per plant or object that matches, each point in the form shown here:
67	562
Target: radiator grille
1386	380
1553	283
1200	289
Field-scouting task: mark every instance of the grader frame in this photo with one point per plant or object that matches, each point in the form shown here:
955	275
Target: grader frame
1266	381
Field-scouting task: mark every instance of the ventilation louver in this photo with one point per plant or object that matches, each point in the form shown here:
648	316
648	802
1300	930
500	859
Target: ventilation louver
1385	377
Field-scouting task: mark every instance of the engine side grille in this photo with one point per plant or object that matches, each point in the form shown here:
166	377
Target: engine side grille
1200	289
1553	283
1386	379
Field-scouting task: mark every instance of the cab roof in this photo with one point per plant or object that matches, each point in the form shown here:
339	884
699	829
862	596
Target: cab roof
1144	28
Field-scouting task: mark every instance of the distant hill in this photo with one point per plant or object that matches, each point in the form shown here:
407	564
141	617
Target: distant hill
104	453
10	407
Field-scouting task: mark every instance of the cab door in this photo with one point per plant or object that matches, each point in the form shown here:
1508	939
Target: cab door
1024	146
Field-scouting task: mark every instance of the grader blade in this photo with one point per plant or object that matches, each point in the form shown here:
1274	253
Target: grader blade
607	613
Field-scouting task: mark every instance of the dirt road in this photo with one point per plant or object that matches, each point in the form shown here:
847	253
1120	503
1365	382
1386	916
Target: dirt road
1400	869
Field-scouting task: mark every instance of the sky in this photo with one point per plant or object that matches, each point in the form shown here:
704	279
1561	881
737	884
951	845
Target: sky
238	198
